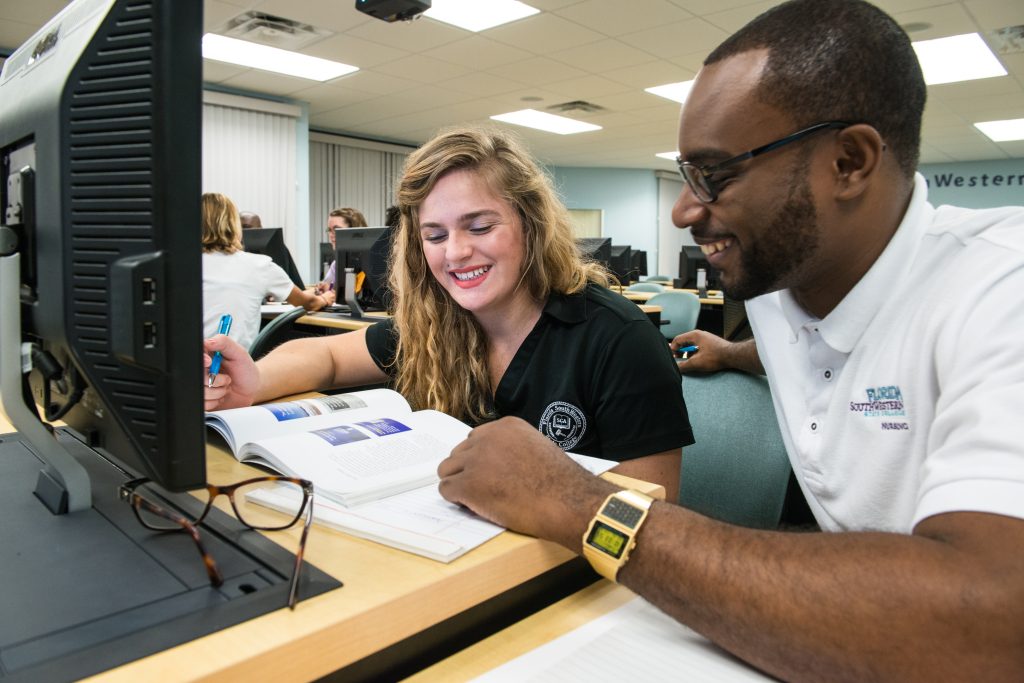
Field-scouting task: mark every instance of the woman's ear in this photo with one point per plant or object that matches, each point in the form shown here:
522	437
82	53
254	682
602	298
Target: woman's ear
858	161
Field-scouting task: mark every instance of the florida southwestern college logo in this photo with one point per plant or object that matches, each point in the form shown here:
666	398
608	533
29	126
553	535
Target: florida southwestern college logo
563	423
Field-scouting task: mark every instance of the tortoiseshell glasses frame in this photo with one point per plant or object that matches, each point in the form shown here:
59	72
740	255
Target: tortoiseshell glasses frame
152	516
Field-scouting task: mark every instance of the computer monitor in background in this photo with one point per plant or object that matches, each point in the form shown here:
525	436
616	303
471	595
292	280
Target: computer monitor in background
597	249
100	280
270	242
326	258
621	263
639	263
691	259
365	250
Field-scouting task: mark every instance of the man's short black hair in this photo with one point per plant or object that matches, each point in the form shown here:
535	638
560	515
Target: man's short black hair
838	60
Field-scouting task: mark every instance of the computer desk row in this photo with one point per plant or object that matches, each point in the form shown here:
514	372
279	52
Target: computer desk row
394	610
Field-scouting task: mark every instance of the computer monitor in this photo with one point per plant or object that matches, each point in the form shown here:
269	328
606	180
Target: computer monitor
326	258
368	251
621	262
691	259
100	280
597	249
270	242
639	263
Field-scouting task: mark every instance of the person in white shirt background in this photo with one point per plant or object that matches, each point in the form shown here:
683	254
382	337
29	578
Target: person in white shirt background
236	282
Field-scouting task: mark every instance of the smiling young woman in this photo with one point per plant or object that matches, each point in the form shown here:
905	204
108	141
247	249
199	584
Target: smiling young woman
497	314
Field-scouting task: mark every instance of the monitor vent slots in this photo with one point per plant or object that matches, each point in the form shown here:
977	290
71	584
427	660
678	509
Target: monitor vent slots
111	189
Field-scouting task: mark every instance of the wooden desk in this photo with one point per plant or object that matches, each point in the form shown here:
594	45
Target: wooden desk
713	298
340	321
528	634
388	596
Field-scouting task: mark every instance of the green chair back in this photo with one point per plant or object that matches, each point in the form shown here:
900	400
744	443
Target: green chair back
738	470
679	311
645	287
273	333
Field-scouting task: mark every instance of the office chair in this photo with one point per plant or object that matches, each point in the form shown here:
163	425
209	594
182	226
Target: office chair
679	311
738	470
645	287
659	278
273	333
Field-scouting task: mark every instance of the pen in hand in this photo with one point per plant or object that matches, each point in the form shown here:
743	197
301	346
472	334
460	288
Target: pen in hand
684	351
223	328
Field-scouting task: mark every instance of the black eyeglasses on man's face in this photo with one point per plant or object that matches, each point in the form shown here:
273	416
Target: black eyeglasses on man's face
159	518
701	178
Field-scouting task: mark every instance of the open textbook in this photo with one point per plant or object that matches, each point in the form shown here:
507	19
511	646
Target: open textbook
355	448
373	462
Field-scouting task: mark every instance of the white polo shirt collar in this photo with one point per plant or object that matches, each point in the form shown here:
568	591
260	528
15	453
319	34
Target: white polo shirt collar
843	327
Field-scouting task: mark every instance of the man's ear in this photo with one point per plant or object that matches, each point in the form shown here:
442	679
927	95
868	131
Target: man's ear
858	161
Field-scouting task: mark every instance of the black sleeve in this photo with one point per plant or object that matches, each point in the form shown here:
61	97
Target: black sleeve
381	341
640	408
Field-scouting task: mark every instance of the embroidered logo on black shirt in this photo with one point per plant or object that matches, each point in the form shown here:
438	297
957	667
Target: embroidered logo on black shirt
563	423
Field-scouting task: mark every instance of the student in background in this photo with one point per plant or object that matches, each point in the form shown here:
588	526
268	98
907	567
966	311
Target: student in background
340	219
237	282
890	333
496	314
250	220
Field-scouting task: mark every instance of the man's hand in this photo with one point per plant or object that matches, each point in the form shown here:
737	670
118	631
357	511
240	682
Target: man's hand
716	354
511	474
238	380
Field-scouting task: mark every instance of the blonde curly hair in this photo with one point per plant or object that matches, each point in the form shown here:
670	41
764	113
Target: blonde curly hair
441	354
222	225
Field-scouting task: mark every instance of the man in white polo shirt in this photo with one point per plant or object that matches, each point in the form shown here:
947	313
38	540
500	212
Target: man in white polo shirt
890	332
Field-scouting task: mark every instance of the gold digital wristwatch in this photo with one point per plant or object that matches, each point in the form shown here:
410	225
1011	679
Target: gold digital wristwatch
611	535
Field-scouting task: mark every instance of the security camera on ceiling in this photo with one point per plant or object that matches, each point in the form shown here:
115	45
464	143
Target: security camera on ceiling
393	10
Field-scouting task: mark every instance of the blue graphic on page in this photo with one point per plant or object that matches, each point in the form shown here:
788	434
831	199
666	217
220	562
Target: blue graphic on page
340	435
286	411
384	427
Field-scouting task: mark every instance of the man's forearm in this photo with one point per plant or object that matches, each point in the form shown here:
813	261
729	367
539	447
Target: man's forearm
852	606
743	356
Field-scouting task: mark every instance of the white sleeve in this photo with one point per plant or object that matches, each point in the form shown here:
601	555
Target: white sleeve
976	442
275	281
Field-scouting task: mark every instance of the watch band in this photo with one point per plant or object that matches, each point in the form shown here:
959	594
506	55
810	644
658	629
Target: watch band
611	535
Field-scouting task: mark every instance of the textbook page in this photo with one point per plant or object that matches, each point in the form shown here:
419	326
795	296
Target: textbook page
252	423
636	642
418	521
365	459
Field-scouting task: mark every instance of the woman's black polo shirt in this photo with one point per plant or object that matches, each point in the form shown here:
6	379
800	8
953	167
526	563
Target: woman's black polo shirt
594	375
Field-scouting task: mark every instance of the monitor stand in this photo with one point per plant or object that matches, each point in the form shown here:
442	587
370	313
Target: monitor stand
87	591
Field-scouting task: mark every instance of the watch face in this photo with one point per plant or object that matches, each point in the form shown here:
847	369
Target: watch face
608	540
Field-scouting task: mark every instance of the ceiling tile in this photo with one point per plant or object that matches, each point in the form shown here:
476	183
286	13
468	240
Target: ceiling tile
604	55
543	34
422	69
614	17
993	14
649	74
539	70
676	39
355	51
478	52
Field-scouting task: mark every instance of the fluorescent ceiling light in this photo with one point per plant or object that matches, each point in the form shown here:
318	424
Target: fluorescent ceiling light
531	118
266	58
676	92
1002	131
671	156
957	58
478	15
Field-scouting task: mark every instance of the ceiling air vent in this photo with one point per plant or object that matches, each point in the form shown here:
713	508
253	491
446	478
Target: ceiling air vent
1008	40
576	105
267	29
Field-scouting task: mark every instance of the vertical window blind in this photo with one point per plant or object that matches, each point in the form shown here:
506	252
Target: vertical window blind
354	173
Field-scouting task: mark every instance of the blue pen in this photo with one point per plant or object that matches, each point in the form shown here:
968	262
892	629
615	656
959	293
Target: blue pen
685	351
223	328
